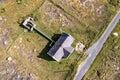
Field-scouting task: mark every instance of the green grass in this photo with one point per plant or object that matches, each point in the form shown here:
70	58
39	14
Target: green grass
42	66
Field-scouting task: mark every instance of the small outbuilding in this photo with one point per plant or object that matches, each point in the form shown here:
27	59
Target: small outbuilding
28	23
62	48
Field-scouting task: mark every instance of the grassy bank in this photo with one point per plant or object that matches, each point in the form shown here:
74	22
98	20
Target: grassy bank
106	64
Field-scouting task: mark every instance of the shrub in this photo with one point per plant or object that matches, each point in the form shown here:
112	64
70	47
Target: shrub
114	2
19	1
2	10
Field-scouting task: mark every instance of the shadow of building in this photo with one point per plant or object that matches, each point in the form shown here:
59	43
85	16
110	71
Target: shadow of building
43	54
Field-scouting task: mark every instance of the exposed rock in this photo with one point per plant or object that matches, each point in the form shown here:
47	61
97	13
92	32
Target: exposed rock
79	47
100	10
26	5
116	76
81	1
115	34
29	76
15	46
34	50
1	18
9	58
54	15
63	24
6	32
20	40
5	42
60	15
25	30
116	47
114	65
88	5
117	68
19	77
2	1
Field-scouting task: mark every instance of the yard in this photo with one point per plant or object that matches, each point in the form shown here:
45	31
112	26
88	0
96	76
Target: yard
28	49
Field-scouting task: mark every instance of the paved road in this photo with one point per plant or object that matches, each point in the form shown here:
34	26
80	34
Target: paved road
95	49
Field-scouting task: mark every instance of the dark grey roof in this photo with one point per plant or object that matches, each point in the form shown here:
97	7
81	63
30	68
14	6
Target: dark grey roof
62	47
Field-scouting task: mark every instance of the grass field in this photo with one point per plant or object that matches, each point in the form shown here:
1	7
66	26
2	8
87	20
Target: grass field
28	49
